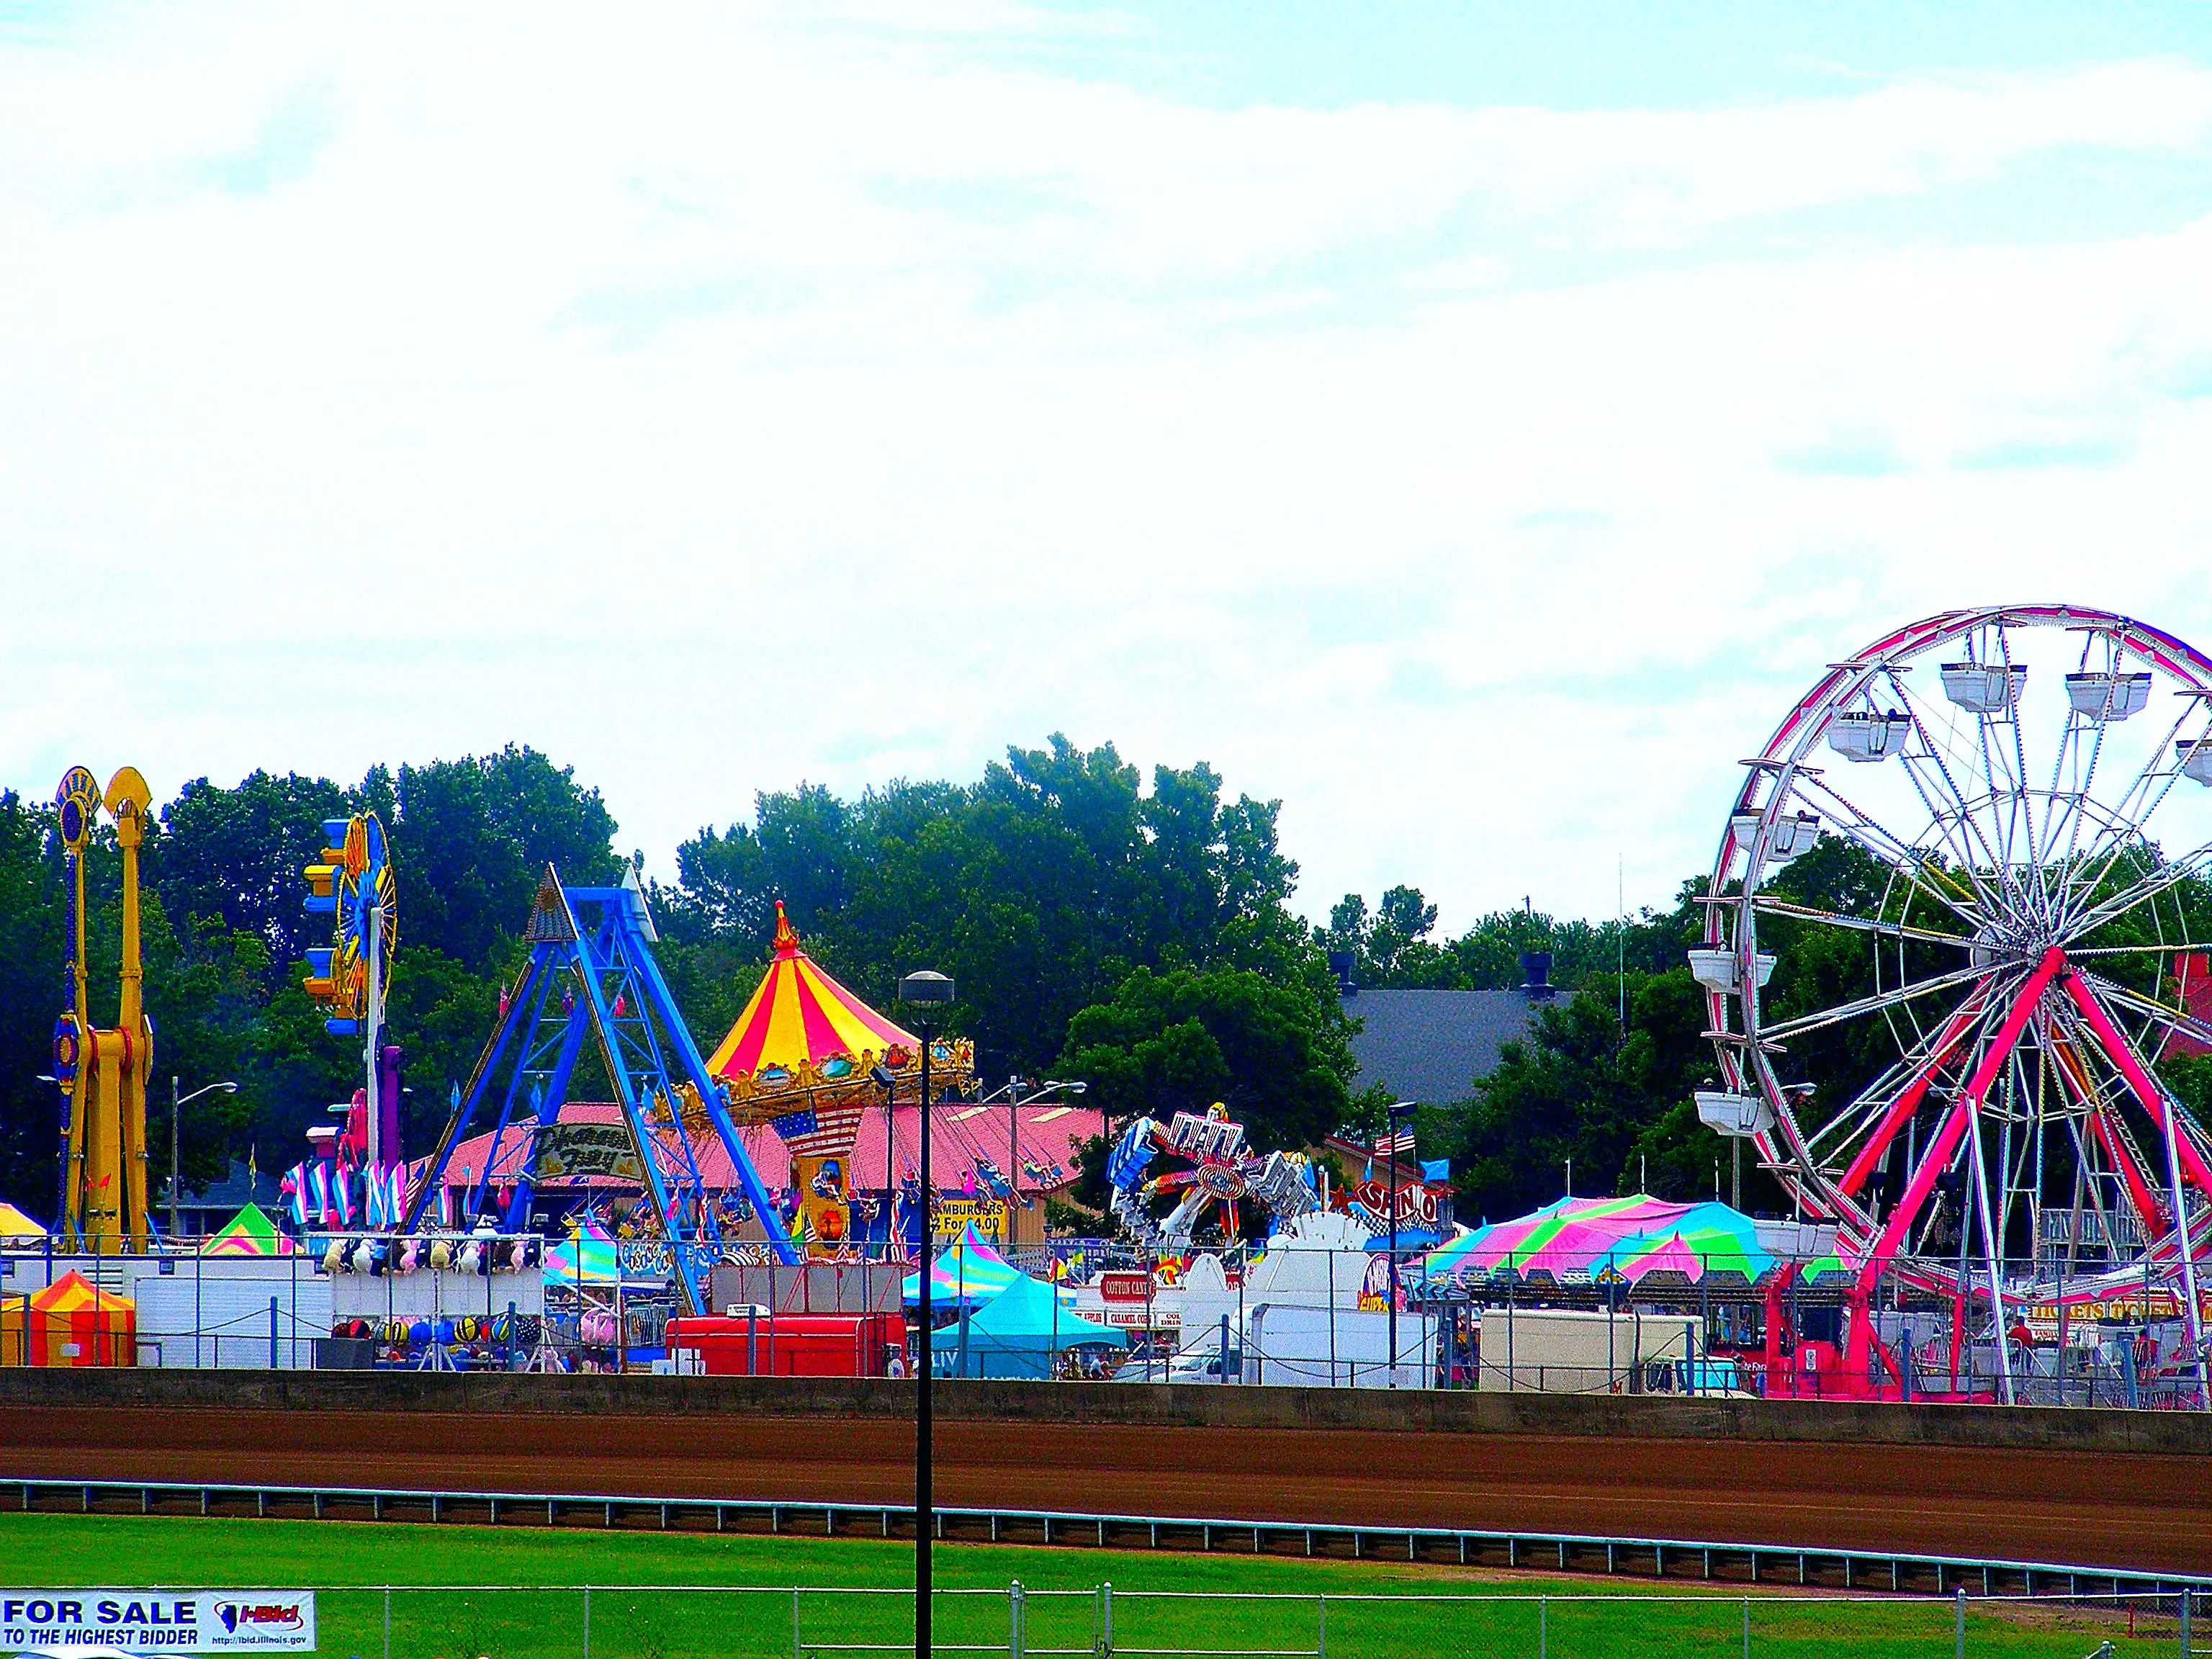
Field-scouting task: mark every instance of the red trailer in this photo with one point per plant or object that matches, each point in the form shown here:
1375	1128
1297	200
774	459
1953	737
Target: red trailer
787	1344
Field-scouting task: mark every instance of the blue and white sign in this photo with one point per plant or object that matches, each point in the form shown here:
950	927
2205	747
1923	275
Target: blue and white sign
144	1621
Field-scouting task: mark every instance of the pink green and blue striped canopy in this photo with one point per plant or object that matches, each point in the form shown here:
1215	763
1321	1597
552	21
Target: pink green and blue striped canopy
969	1272
1606	1237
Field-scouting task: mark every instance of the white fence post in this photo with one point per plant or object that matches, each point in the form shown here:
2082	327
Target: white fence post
587	1622
1014	1620
1958	1624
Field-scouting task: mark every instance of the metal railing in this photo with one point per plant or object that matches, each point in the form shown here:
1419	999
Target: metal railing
1710	1562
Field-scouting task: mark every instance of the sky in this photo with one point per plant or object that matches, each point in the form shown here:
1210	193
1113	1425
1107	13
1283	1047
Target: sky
1473	426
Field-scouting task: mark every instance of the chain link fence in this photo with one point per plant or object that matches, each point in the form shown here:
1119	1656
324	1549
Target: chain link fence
1293	1316
763	1622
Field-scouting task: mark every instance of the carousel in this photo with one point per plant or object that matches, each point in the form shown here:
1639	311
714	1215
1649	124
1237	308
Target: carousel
808	1059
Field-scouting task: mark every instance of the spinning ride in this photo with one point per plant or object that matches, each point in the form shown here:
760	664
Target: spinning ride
593	978
102	1073
1957	930
1222	1171
353	883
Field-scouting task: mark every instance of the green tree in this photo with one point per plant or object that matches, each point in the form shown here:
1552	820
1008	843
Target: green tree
472	838
1038	888
1391	950
31	993
1276	1053
236	856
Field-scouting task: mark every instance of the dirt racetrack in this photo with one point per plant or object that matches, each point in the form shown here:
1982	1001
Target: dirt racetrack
2143	1510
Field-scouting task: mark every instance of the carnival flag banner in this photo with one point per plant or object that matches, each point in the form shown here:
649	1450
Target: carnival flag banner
73	1622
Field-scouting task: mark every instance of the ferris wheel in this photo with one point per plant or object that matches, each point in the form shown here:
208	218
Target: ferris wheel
1956	941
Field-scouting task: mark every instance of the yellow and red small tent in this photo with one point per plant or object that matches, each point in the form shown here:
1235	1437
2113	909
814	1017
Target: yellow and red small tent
14	1349
74	1322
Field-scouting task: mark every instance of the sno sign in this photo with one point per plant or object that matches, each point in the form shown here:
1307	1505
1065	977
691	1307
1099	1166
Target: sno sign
143	1621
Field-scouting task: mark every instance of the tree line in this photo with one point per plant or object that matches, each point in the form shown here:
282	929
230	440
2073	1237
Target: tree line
1133	931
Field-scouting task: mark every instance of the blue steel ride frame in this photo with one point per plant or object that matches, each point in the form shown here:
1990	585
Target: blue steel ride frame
608	966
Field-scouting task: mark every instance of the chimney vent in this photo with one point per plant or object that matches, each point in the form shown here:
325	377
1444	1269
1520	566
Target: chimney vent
1340	964
1536	971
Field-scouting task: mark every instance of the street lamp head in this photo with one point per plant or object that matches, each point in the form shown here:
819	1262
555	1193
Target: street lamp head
883	1077
1401	1109
926	986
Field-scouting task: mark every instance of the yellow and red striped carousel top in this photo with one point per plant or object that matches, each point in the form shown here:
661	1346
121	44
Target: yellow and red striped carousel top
802	1017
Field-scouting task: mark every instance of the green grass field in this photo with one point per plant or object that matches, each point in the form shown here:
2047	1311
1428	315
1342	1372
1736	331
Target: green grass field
462	1592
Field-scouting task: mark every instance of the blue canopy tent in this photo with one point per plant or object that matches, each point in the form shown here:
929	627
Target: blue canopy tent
1015	1333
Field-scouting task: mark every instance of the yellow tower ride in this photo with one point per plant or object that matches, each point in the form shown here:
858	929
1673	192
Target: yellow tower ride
103	1073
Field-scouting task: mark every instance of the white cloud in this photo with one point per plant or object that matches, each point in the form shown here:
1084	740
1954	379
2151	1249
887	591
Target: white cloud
737	398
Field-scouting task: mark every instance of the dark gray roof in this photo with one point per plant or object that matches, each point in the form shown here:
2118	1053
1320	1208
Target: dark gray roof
234	1191
1431	1045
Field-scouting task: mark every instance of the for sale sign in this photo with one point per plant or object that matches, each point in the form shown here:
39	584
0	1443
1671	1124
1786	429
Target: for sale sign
141	1621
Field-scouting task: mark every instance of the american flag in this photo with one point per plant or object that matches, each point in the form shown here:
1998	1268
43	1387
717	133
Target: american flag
1399	1141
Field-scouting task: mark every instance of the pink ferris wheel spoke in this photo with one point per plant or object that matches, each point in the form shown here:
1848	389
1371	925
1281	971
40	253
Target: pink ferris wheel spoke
1961	1117
1954	1033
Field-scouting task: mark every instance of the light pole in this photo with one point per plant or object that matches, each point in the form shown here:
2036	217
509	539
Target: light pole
176	1116
929	991
1401	1112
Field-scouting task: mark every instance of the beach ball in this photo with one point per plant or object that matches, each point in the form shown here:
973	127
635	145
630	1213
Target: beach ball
419	1332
